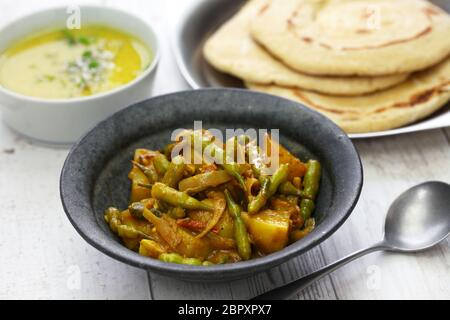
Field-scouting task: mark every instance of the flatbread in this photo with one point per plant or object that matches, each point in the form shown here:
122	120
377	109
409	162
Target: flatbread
232	50
415	99
354	37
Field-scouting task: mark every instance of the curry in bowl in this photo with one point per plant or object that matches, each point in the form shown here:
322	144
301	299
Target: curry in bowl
216	212
65	64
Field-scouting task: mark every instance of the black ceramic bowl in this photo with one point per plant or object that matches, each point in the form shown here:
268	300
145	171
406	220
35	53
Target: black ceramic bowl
94	176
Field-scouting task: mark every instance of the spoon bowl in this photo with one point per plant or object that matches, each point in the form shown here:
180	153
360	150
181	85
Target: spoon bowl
419	218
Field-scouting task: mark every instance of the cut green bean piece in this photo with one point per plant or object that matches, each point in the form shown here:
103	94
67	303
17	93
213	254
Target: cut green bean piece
269	188
311	181
149	172
177	199
307	207
161	164
240	230
261	199
137	210
174	173
288	189
176	258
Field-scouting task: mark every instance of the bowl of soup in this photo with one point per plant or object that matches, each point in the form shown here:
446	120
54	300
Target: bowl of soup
61	73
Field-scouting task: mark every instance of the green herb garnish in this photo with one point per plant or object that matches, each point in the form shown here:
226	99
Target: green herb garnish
70	38
85	40
87	55
94	64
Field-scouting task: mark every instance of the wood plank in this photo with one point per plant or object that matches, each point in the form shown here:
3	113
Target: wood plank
446	132
164	288
43	257
392	165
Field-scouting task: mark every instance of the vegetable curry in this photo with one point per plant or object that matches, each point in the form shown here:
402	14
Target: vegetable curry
205	214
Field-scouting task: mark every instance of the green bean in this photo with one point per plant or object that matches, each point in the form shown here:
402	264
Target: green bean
311	180
240	230
268	189
278	178
256	171
288	189
174	173
207	263
156	212
309	226
137	210
161	164
145	185
238	149
204	181
192	261
167	151
296	235
112	217
130	232
260	200
171	258
233	170
176	258
177	199
257	159
177	213
219	156
149	172
307	207
111	213
151	248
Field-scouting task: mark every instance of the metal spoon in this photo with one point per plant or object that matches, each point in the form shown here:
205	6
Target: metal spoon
417	220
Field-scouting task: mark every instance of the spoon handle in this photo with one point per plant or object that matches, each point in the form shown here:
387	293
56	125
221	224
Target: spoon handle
286	291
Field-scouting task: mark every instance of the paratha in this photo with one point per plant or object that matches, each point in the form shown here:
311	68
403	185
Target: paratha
232	50
424	93
354	37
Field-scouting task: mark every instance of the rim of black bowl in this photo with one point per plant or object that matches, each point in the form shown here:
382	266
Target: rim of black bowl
228	271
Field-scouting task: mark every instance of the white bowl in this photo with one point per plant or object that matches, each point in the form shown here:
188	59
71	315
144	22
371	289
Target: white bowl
64	121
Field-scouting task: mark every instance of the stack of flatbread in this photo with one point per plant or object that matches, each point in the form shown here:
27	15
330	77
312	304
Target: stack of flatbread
369	65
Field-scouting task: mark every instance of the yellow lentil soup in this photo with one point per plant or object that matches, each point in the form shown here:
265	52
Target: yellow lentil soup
66	64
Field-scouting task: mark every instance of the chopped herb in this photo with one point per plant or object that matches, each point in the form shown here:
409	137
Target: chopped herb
87	55
94	64
85	40
91	68
73	40
70	38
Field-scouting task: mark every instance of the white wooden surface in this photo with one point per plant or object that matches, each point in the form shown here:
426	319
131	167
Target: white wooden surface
42	257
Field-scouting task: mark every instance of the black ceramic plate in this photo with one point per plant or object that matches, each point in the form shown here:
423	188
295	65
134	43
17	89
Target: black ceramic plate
202	18
94	176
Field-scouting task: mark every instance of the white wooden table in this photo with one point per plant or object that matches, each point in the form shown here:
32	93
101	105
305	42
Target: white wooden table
42	256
